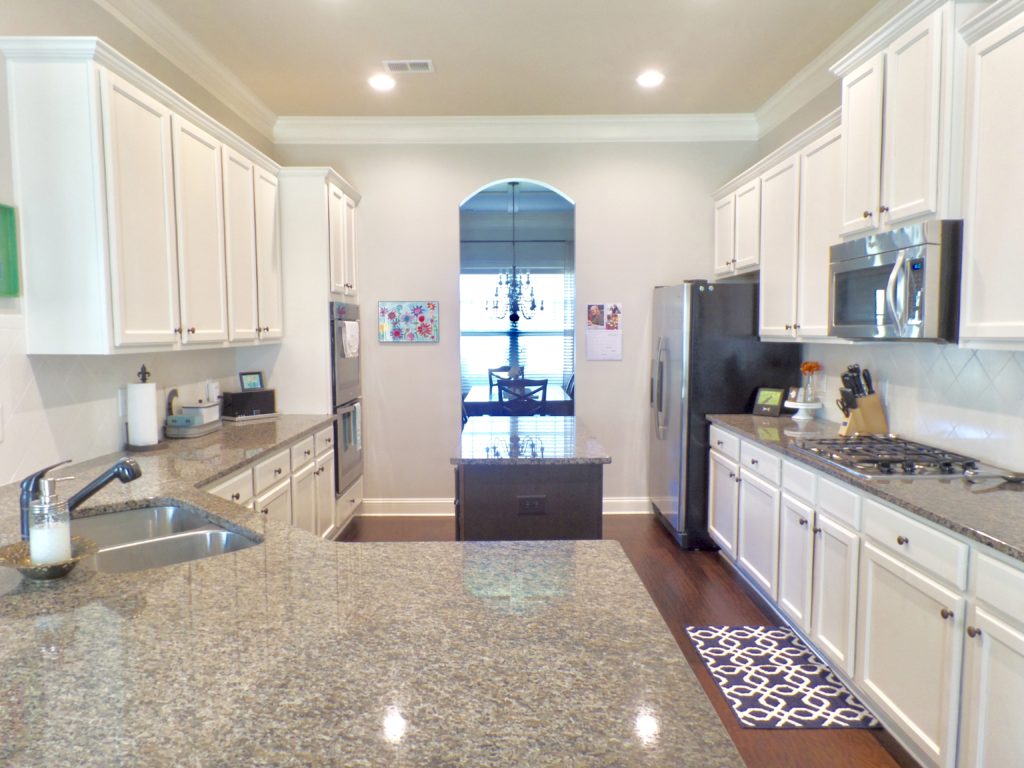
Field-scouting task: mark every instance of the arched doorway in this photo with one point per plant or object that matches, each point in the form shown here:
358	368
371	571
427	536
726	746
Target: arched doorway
517	287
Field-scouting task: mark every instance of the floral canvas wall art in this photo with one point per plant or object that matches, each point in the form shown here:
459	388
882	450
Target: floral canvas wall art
407	321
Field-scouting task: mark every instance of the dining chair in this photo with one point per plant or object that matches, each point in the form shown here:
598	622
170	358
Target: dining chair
570	388
522	397
494	375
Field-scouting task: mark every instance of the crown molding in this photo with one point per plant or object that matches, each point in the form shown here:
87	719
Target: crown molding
320	173
540	129
896	26
167	37
994	16
816	77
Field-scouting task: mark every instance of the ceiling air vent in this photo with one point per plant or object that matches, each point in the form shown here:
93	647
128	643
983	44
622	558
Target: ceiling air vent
408	66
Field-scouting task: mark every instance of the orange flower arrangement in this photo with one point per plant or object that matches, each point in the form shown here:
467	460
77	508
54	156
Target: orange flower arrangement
809	366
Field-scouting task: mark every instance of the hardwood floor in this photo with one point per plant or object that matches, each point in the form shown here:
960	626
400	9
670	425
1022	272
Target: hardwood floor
691	588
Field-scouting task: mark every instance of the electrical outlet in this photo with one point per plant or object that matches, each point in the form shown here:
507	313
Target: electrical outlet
532	505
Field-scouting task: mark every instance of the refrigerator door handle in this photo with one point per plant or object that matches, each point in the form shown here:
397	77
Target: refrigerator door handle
662	363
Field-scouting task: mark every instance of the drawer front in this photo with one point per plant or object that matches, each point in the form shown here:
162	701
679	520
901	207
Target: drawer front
271	470
724	442
839	502
799	482
350	500
237	488
324	440
755	459
932	550
302	452
999	585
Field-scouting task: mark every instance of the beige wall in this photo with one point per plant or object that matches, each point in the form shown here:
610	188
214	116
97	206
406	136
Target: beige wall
826	101
643	218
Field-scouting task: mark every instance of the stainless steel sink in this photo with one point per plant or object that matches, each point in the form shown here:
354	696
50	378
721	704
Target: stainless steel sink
151	537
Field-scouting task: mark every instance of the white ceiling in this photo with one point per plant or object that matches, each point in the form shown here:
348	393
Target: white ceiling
514	57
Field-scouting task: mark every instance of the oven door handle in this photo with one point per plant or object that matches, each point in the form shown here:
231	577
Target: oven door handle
890	293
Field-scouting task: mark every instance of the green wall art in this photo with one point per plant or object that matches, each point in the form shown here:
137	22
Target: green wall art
8	253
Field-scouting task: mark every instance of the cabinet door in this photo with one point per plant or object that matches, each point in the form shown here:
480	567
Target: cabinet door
993	690
723	496
140	210
268	256
240	245
796	543
198	197
747	237
349	283
276	502
910	157
992	265
325	502
758	531
725	223
304	498
780	200
820	208
336	231
862	145
834	591
909	644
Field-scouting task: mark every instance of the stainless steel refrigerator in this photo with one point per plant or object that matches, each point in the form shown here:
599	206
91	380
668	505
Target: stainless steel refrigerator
706	358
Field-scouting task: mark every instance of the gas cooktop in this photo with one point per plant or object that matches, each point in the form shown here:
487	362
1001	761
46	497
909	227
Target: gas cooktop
887	456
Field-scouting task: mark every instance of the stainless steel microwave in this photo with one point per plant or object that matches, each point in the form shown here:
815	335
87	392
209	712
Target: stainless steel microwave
898	285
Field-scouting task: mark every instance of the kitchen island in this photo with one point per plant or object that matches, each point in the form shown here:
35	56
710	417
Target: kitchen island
528	477
301	651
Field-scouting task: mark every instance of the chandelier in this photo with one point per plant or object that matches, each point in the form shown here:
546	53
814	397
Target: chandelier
514	297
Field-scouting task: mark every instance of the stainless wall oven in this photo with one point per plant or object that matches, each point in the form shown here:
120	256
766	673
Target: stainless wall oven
902	284
348	429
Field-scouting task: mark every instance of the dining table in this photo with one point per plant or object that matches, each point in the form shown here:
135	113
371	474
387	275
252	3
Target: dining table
482	400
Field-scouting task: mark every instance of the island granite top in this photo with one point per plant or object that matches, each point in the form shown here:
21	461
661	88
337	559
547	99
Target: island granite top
497	440
301	651
990	511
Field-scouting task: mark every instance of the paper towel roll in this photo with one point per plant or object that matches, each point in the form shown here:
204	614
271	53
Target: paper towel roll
140	403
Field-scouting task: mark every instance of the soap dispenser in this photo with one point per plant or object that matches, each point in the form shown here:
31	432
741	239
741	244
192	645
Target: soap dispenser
49	525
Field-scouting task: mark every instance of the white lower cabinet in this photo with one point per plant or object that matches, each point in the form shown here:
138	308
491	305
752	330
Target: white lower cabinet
325	501
277	502
796	550
758	531
835	578
350	500
909	644
304	498
723	497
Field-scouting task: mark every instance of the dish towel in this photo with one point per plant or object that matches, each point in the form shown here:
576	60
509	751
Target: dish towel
350	338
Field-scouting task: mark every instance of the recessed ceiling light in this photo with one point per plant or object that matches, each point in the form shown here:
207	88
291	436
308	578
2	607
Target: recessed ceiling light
652	78
382	82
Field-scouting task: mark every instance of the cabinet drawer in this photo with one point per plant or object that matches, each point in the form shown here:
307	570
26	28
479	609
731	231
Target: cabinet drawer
302	452
237	487
324	439
271	470
839	502
724	442
926	547
349	502
762	462
799	482
999	585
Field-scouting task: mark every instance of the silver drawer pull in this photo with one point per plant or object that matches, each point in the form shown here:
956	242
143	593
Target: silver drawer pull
236	496
902	540
753	462
278	471
719	443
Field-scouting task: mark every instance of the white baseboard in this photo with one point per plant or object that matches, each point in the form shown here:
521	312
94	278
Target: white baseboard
433	507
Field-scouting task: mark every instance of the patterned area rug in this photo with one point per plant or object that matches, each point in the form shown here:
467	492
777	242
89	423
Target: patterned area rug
773	680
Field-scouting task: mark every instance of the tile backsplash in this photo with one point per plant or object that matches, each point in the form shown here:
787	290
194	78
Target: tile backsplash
67	407
970	401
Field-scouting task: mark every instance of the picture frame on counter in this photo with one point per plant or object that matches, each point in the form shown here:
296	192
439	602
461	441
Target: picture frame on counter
768	402
250	380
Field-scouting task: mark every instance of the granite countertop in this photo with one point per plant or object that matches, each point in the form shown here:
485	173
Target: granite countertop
528	440
301	651
987	510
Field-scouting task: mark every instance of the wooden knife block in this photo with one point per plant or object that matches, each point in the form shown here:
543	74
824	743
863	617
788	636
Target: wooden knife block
867	418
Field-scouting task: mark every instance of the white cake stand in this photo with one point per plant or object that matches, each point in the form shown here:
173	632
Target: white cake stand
804	411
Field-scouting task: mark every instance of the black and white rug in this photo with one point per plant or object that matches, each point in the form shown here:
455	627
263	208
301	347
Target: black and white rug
771	679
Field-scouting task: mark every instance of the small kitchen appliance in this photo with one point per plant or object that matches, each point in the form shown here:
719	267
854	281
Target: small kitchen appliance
903	284
873	457
249	405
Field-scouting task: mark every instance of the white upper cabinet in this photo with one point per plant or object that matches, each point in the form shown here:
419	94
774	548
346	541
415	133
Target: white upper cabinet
725	223
140	207
199	197
738	229
342	225
780	216
127	221
240	246
350	282
898	115
268	255
993	269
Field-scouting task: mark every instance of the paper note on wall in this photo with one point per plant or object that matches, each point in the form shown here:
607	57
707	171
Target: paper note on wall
604	331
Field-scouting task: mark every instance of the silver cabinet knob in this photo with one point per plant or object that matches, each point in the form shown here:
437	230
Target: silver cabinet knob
946	613
973	632
902	540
